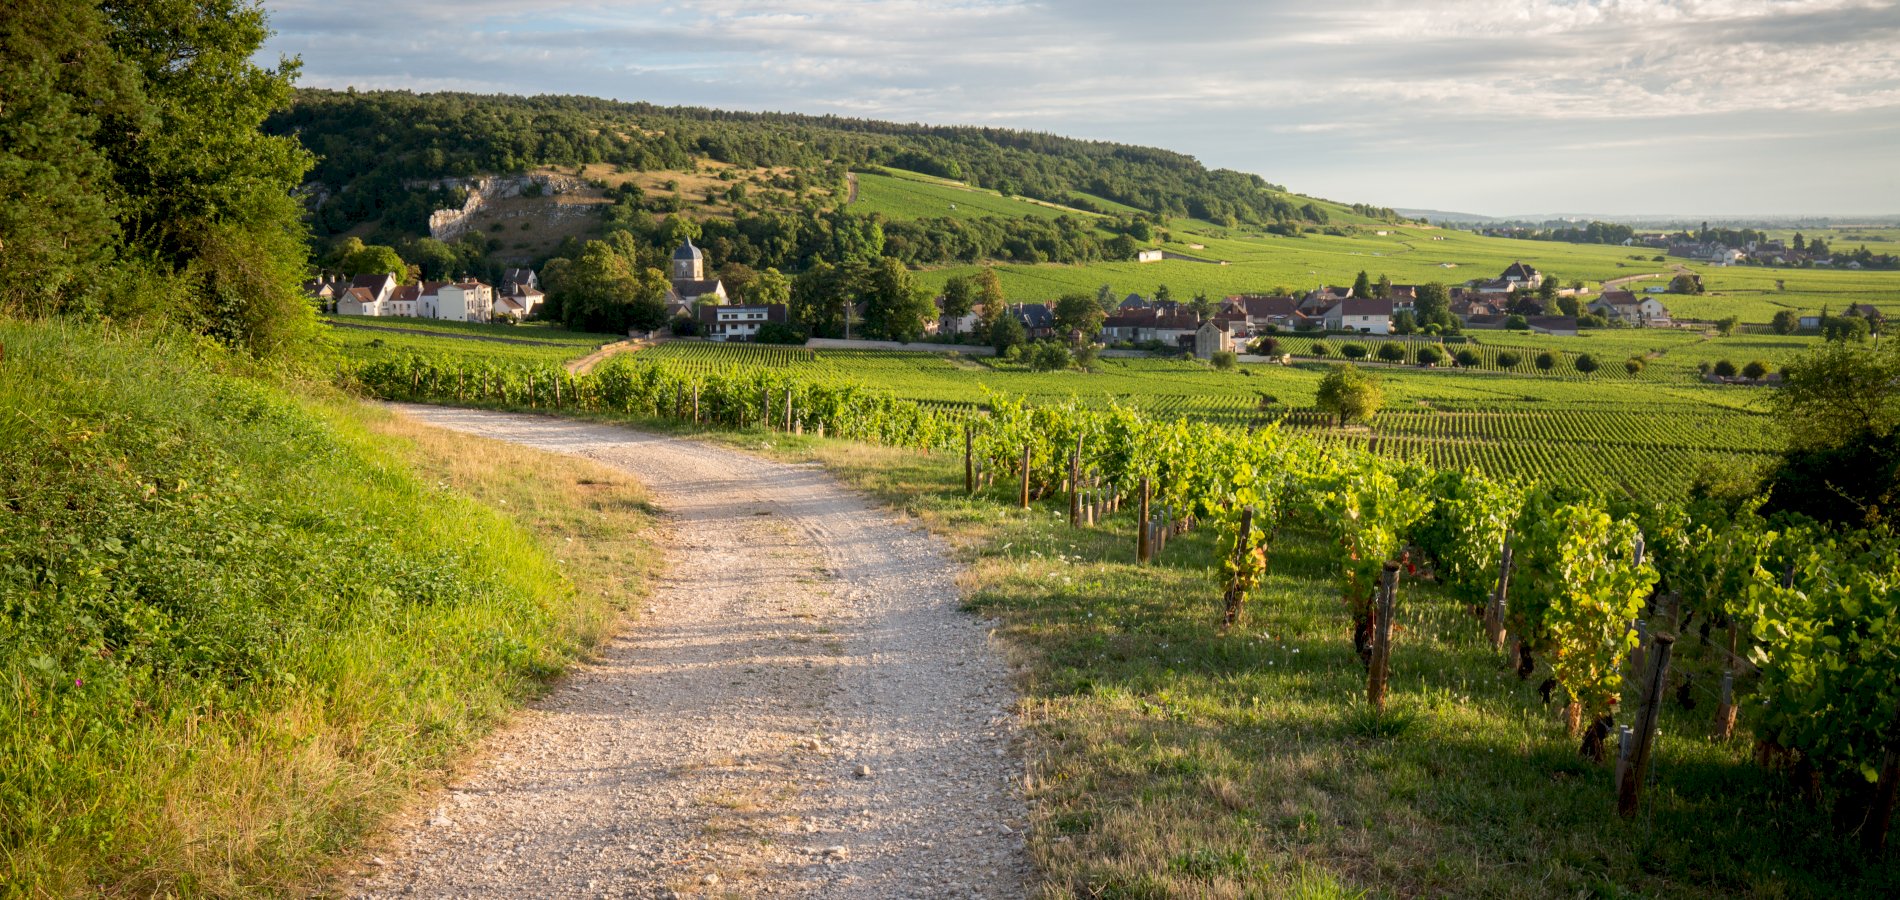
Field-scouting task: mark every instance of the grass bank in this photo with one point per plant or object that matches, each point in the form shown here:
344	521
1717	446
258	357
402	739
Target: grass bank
239	625
1172	760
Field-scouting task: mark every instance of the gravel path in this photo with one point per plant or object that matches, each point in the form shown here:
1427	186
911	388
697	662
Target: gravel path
802	710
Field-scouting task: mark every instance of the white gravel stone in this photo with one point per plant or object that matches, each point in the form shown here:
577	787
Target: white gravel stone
688	743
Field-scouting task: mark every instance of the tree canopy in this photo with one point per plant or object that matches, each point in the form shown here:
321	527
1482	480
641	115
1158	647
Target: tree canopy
138	183
1350	394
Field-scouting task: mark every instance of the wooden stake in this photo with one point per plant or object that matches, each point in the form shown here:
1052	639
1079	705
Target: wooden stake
1075	485
969	458
788	409
1144	523
1242	546
695	404
1630	789
1025	476
1382	636
1725	713
1495	614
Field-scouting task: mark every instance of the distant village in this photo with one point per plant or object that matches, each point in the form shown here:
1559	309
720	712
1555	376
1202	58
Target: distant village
1512	300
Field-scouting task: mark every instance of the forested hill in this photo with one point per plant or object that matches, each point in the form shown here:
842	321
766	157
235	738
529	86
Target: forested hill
378	145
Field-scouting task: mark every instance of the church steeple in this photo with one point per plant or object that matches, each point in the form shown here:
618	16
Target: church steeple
688	262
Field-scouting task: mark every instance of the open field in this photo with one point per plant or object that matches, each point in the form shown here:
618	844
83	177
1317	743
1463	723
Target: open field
897	194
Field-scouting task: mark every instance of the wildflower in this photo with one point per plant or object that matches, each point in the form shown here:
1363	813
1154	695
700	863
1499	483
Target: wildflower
79	682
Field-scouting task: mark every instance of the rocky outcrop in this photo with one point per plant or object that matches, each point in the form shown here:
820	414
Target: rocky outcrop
449	224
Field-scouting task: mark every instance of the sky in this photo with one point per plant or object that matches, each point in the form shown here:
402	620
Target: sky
1496	107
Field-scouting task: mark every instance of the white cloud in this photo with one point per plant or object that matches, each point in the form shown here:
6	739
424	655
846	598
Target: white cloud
1279	88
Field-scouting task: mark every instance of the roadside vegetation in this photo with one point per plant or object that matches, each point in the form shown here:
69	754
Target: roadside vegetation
238	625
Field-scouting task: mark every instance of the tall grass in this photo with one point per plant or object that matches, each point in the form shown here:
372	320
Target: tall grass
233	624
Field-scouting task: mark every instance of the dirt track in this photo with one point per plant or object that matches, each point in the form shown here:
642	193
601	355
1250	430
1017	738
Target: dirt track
802	710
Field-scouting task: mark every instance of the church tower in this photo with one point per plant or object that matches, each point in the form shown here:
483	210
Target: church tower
688	263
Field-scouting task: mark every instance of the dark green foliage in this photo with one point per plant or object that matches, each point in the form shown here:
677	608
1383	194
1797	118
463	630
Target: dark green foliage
1430	356
135	179
1224	360
1844	329
1078	313
1349	394
895	305
1392	351
1786	321
1586	363
1349	351
778	333
1545	360
1468	358
1508	360
1755	369
1049	356
1855	484
1724	369
604	291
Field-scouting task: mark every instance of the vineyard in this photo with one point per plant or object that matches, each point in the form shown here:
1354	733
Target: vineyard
1585	590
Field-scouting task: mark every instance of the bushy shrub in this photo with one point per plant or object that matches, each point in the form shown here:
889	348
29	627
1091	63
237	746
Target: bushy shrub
1224	360
1756	369
1724	369
1392	351
1507	359
1586	363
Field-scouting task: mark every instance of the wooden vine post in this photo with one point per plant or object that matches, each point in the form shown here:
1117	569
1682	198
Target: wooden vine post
1144	527
1725	713
695	404
1242	547
1494	615
1025	498
1075	485
1629	789
1382	637
969	458
788	409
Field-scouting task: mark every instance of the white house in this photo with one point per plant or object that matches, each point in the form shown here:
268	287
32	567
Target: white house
1148	256
1633	310
367	295
738	323
464	301
1365	315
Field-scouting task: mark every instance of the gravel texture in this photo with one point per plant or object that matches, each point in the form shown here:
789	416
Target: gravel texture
801	710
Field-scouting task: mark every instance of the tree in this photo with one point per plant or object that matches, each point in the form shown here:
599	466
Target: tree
959	298
601	292
1800	241
1349	394
1756	369
1726	326
1433	307
1832	394
1547	292
1265	345
1570	305
1201	306
896	305
1586	363
1321	348
1468	358
1162	294
1362	285
375	259
1685	284
769	287
1007	332
1507	359
1392	351
1786	321
1545	360
1106	299
1224	360
1430	356
1354	351
1843	329
137	180
1078	313
1404	322
822	297
1517	322
1724	369
989	296
1383	288
1049	356
1635	365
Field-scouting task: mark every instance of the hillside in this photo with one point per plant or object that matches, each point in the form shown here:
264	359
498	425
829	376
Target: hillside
241	623
390	158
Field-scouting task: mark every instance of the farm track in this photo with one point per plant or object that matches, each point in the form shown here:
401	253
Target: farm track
802	710
587	363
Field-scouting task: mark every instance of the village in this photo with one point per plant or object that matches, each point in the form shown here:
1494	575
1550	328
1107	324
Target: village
1519	298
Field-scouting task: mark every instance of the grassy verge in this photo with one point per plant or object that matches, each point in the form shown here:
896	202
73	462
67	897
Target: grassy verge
237	626
1171	760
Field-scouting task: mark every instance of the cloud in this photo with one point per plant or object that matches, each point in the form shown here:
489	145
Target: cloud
1292	91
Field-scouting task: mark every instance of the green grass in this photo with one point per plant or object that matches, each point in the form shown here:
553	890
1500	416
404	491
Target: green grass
389	336
903	195
239	626
540	332
1169	759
